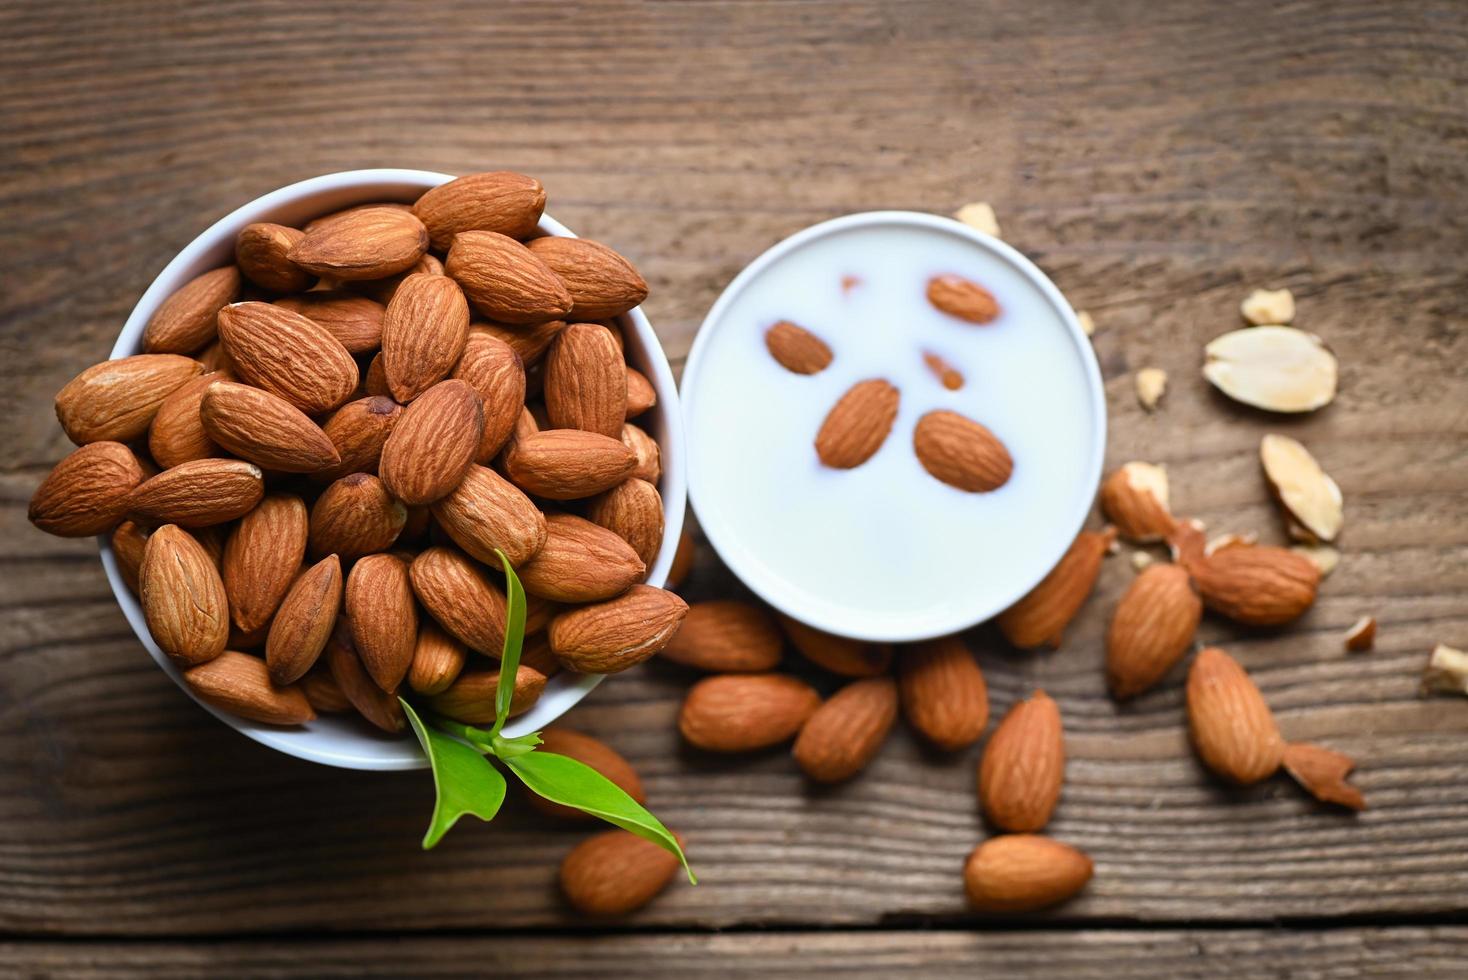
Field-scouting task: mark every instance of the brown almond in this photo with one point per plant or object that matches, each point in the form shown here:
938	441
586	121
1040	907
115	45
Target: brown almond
376	381
322	221
1151	630
1023	873
1322	772
213	359
486	511
355	516
645	449
288	355
586	381
379	601
1023	766
383	290
184	322
609	637
262	557
470	699
536	653
240	684
199	493
846	732
495	371
129	541
183	597
261	251
727	636
355	321
943	692
615	872
1232	727
500	201
423	334
530	341
857	425
504	280
323	692
433	444
87	492
568	464
459	595
962	298
580	562
797	349
265	429
1361	635
839	655
1256	585
641	395
745	712
684	557
304	621
1039	619
601	282
359	430
633	510
1135	498
365	243
961	453
116	400
372	702
590	752
176	434
438	659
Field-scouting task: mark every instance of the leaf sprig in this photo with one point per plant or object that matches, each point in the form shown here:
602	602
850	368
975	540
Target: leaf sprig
466	781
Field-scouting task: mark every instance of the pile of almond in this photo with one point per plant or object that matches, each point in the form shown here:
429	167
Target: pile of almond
307	473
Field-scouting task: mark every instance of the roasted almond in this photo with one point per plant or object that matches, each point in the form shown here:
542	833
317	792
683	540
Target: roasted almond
601	282
1023	872
184	322
609	637
183	597
961	452
423	334
500	201
288	355
581	562
486	511
615	872
568	464
1134	497
504	280
355	321
199	493
265	429
845	733
176	434
495	371
1023	766
1232	728
1151	630
1256	585
633	510
470	699
586	381
355	516
839	655
261	250
433	444
459	595
304	621
591	752
372	702
962	298
1322	772
262	556
649	465
87	492
379	601
857	424
943	692
240	684
727	636
129	541
365	243
359	430
1041	616
438	659
797	349
116	400
745	712
641	395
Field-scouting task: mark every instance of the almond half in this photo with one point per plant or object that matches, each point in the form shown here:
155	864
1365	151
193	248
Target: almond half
1278	369
1309	497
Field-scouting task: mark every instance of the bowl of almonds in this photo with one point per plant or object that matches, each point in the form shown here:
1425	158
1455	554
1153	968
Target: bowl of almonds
327	419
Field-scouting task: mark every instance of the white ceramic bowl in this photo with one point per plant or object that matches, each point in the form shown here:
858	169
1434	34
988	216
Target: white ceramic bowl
351	743
884	552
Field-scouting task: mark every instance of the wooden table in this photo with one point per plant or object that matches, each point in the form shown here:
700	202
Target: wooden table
1158	160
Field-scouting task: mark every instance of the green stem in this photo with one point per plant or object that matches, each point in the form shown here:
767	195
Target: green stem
477	737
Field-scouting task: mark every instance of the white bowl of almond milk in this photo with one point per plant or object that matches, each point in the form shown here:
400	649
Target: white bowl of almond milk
885	552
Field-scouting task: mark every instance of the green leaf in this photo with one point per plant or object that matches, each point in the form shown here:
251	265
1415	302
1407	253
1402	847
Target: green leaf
465	781
514	637
562	779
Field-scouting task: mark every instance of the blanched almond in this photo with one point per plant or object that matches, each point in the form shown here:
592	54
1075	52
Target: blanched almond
1279	369
1309	497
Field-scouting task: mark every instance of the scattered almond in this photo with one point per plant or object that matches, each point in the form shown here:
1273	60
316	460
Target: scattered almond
1256	585
615	872
1447	671
962	298
844	734
1322	556
726	636
1135	499
1152	629
797	349
1361	635
1311	499
1263	307
1151	386
839	655
1023	766
1087	323
745	712
943	692
1023	873
1040	618
591	752
980	216
1232	728
1279	369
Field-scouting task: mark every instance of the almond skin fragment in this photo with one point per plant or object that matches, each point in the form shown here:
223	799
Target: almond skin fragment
1362	634
1322	772
745	712
594	753
1039	619
846	732
943	692
614	873
609	637
1309	497
839	655
961	452
857	424
726	636
1232	727
1151	630
1023	872
1023	766
240	684
962	298
87	492
797	349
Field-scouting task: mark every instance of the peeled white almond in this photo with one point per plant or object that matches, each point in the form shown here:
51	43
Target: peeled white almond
1151	384
979	215
1310	498
1265	306
1279	369
1324	556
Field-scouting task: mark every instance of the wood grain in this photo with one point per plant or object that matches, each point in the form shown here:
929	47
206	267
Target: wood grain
1157	162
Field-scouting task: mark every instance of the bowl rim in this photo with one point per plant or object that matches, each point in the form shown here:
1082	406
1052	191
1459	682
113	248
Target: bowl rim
721	535
302	743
